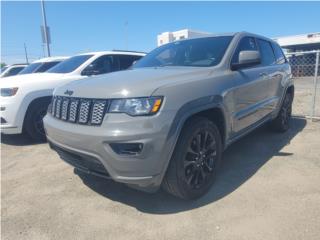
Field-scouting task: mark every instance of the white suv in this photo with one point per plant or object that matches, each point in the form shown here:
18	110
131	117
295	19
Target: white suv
25	98
42	65
12	70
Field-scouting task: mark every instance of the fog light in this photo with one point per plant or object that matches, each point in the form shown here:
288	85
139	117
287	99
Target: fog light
127	148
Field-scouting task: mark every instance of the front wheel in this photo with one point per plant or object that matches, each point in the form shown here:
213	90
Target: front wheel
33	124
195	160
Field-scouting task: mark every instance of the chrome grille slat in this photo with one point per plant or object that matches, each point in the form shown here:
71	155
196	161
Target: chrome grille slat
58	108
79	110
84	111
53	109
98	112
64	109
73	110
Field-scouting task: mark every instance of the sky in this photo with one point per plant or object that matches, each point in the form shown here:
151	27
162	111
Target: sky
81	26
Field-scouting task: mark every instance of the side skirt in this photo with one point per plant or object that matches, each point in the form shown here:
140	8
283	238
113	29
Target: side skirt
249	129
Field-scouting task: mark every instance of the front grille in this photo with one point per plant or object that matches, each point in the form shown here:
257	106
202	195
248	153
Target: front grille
79	110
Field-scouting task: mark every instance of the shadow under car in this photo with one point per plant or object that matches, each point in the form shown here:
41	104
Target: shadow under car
240	162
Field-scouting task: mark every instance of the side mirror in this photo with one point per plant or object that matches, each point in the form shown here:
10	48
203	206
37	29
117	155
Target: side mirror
247	59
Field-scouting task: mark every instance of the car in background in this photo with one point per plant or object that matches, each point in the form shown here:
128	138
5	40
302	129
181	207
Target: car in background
11	70
42	65
25	98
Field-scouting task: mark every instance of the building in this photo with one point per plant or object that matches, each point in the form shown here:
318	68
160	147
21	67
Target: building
168	37
300	43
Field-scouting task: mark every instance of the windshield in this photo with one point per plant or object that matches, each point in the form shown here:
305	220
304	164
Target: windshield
45	66
31	68
70	64
200	52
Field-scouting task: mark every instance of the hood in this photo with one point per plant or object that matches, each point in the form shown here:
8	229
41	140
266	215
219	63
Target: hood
139	82
24	79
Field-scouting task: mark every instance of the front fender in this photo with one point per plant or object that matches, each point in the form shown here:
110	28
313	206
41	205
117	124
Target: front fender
27	99
186	111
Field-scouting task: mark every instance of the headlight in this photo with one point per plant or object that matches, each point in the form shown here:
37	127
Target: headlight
8	92
136	106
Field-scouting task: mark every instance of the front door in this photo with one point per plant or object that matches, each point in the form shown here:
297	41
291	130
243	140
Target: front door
253	95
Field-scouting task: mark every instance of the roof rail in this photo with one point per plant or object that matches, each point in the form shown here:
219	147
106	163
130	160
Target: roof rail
119	50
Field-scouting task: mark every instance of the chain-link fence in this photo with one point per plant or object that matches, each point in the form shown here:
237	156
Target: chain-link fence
305	68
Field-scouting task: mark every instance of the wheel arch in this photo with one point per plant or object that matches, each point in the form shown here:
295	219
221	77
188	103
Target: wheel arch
25	102
210	107
290	89
32	103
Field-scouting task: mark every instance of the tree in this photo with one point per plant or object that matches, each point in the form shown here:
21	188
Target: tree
2	65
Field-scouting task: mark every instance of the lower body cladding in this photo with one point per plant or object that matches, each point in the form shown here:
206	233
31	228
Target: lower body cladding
130	150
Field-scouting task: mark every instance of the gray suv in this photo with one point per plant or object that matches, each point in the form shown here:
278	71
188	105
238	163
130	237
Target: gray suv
166	121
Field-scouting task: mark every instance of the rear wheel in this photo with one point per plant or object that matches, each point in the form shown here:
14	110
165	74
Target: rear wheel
33	124
195	161
282	122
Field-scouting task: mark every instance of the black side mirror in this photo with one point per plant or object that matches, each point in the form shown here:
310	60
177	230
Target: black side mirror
247	59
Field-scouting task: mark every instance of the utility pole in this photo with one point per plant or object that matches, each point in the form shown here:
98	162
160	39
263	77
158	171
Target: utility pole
25	52
45	28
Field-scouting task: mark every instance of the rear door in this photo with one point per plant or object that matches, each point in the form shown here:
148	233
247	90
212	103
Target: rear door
280	75
270	66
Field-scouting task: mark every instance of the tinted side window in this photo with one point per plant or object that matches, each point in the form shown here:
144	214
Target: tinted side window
70	64
101	65
31	68
245	44
127	60
45	66
280	58
266	52
14	71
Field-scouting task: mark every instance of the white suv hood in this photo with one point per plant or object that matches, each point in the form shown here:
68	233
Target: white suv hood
130	83
27	79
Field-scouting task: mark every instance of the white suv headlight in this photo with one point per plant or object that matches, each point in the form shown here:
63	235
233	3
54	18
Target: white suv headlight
136	106
8	92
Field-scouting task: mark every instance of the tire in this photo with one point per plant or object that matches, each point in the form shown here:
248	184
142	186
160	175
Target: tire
194	165
33	123
282	122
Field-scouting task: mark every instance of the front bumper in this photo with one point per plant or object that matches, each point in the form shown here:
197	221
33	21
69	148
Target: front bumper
143	170
9	113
